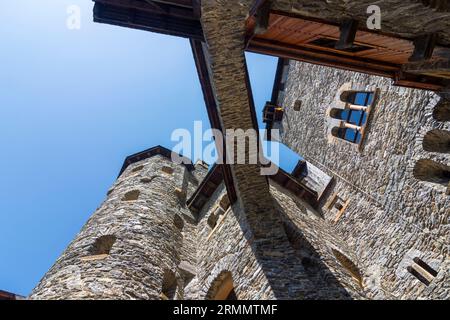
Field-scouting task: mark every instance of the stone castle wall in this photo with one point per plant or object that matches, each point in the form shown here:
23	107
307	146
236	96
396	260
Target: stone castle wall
155	234
392	217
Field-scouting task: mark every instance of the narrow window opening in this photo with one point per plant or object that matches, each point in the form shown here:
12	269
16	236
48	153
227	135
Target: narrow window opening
103	245
131	196
426	267
224	202
437	141
422	271
146	180
419	276
222	288
353	118
442	111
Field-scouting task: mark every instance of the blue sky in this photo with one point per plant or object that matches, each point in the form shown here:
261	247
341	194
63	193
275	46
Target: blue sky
73	105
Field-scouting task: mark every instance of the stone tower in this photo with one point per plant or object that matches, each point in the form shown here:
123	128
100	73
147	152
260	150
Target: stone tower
132	245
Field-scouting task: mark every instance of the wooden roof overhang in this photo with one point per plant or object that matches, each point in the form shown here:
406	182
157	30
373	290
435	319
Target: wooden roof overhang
158	150
215	177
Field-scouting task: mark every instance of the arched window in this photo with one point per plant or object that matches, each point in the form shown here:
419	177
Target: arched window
169	286
131	195
339	114
437	141
431	171
222	288
102	245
